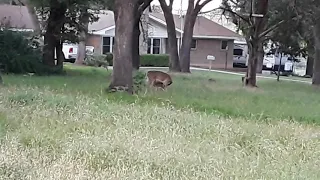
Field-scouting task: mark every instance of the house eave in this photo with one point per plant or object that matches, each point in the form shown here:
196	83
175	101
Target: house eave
19	29
216	37
163	22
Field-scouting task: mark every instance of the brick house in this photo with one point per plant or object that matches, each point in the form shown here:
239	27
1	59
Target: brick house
209	38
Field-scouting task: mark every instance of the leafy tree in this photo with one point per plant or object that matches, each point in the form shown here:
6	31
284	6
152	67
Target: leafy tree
60	23
253	18
309	12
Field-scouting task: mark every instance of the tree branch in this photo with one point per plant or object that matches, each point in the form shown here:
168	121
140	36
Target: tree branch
235	14
143	6
271	29
165	6
200	6
170	3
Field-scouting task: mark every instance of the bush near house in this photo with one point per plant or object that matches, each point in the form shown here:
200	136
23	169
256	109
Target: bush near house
96	60
19	54
147	60
155	60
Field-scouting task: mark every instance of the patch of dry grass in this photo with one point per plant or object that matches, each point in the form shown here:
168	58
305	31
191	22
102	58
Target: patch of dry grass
49	135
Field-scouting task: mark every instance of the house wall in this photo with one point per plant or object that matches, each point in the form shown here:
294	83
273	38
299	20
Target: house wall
212	47
96	42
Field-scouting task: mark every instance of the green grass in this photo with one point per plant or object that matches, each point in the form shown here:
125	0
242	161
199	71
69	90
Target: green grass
225	97
66	127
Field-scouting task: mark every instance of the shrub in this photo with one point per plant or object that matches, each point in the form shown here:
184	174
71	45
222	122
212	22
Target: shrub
139	80
109	57
147	60
155	60
18	53
96	60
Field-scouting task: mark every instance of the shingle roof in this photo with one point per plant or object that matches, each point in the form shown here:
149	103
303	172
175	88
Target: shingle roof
202	27
18	16
106	19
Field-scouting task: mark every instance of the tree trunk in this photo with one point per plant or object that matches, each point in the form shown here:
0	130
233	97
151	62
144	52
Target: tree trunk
84	21
316	67
135	45
1	80
310	60
48	49
260	58
174	64
316	63
122	61
60	55
253	39
309	68
53	31
251	78
186	42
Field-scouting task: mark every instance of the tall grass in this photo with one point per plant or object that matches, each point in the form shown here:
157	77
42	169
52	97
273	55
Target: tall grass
50	134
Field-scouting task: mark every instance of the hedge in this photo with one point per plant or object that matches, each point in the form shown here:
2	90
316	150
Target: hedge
147	60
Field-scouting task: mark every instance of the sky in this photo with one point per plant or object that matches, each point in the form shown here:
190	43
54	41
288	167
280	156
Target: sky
176	5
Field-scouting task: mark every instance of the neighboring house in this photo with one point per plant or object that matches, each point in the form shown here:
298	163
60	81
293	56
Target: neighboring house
209	38
16	18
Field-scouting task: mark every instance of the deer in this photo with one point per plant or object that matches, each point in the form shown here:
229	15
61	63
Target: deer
159	79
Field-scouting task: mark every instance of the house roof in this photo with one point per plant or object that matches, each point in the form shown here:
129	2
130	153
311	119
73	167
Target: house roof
202	27
106	19
17	16
20	18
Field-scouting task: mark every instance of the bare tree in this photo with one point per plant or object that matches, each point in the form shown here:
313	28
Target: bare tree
172	37
193	10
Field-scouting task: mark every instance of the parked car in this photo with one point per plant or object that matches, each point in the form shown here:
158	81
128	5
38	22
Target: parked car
70	51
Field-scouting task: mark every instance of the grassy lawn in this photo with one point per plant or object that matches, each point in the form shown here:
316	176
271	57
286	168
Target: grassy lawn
66	127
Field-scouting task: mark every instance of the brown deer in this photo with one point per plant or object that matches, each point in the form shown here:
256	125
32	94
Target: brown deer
159	79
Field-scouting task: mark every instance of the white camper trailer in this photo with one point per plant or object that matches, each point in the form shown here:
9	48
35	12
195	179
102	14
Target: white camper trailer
240	54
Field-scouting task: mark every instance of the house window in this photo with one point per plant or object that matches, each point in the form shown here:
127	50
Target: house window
194	44
224	45
154	45
107	45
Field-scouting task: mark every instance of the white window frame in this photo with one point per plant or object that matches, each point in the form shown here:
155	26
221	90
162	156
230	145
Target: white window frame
111	44
151	45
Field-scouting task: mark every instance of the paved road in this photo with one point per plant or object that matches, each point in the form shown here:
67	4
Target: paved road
232	73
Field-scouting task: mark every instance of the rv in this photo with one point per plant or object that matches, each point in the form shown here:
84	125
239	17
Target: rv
240	54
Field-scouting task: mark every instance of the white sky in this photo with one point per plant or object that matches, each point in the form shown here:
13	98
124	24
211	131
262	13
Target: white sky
176	5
